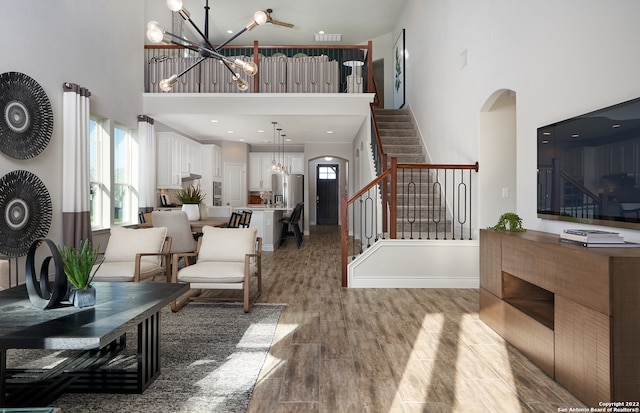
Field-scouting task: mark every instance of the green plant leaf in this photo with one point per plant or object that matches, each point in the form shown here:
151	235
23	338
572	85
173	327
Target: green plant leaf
78	264
190	195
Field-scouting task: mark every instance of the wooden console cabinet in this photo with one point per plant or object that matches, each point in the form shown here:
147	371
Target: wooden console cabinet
573	311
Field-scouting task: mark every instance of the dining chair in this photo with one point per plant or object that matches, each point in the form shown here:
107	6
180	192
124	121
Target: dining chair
225	259
234	220
178	228
246	218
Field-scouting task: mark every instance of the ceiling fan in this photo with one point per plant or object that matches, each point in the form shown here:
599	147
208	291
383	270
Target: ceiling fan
276	22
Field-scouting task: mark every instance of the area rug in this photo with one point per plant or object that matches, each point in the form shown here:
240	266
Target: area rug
211	357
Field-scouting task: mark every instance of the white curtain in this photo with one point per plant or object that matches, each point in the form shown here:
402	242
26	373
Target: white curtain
147	163
76	218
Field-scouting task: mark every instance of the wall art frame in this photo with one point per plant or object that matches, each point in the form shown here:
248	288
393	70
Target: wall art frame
399	76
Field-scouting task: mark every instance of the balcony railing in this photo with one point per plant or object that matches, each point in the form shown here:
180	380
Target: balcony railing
281	69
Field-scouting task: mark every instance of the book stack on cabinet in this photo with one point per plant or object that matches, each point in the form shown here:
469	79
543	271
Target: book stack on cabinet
595	238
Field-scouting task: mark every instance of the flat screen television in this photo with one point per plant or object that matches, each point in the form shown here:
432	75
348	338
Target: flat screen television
589	167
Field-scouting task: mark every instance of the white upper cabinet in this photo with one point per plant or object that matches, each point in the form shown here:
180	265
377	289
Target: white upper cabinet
176	157
259	175
216	162
295	162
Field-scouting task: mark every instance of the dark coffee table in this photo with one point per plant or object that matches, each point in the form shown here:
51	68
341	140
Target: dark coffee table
97	333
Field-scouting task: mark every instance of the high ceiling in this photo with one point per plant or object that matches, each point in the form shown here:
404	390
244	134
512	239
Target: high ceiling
357	20
303	119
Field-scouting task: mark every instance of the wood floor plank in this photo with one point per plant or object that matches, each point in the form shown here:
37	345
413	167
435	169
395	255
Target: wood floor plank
385	350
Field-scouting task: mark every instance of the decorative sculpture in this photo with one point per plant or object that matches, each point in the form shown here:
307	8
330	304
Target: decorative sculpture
25	212
26	121
41	293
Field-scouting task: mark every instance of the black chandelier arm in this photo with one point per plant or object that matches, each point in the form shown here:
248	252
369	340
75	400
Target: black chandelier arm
204	51
204	37
191	67
226	42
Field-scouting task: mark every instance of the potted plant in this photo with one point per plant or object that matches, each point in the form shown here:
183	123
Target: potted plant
190	198
78	265
510	222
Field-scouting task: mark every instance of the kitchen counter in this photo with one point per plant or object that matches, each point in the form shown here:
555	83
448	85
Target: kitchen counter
264	207
266	218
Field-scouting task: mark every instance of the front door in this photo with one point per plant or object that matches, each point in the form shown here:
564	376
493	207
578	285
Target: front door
327	194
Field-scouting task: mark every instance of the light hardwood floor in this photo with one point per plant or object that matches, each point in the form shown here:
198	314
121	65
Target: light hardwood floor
385	350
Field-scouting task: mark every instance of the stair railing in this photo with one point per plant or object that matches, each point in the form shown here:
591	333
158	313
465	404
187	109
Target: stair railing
436	203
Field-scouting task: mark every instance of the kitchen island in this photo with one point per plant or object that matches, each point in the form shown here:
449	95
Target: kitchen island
266	218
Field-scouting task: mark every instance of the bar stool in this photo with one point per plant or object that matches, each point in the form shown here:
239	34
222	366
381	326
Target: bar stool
291	223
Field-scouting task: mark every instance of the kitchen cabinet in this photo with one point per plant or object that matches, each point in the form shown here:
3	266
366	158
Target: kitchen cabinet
176	157
295	162
216	162
259	175
168	161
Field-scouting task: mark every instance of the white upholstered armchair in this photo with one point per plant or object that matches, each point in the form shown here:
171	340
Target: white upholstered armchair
135	254
226	258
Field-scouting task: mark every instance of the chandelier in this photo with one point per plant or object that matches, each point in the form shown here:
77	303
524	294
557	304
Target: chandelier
158	34
278	167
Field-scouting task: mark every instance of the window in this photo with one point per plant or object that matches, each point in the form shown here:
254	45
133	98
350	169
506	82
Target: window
327	172
99	172
114	196
125	177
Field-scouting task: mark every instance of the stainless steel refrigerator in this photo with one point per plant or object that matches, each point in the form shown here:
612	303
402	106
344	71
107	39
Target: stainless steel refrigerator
287	190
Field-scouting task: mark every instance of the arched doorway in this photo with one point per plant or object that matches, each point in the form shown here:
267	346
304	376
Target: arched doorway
318	192
497	157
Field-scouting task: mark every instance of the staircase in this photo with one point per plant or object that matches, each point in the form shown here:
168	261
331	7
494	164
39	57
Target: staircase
415	213
399	136
372	261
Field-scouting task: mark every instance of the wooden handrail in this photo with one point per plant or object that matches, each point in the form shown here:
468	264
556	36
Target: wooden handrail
474	167
368	186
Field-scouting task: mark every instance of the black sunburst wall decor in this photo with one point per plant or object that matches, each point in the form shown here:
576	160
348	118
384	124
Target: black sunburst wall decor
25	212
26	119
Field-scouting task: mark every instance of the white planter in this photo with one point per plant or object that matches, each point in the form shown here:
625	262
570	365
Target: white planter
192	210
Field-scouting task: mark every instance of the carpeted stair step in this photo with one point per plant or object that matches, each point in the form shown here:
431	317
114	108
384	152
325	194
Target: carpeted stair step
392	133
395	126
409	158
399	140
396	149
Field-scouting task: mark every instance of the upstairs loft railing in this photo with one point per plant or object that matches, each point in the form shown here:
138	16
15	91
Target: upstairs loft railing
281	69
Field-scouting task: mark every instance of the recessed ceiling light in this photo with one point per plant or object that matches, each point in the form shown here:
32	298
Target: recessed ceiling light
229	131
329	131
230	31
241	140
266	141
288	139
328	158
321	32
616	125
214	121
575	135
260	131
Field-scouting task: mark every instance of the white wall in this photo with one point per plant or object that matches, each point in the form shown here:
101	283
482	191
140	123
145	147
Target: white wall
90	43
497	186
561	58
